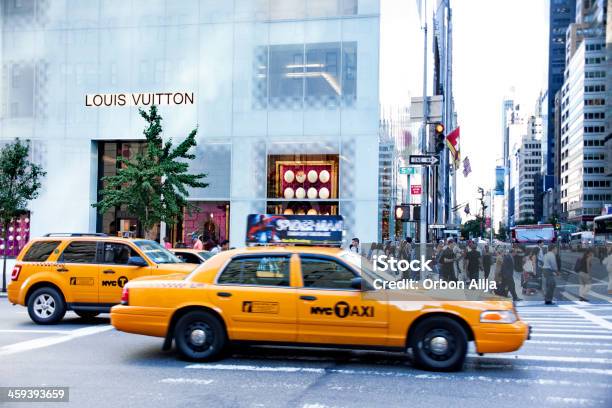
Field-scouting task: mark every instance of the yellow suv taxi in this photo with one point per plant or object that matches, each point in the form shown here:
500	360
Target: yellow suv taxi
309	296
83	272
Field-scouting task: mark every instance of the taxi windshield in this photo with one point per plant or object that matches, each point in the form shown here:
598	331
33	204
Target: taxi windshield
362	264
156	252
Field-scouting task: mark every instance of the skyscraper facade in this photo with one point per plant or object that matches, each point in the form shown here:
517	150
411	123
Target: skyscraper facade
561	15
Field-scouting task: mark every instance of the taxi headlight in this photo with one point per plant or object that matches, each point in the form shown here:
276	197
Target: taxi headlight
497	316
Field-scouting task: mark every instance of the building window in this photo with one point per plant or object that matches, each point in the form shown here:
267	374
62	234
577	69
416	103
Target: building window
320	75
303	184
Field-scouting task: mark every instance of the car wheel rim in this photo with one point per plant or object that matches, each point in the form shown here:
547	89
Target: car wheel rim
439	344
44	306
199	336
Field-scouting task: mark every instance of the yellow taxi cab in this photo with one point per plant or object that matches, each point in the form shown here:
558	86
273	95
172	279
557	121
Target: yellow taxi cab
83	272
193	256
308	296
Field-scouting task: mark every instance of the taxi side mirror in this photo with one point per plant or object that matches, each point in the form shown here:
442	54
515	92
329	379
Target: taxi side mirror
356	283
137	261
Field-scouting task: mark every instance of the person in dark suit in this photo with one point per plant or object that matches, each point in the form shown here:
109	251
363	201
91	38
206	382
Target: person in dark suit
508	277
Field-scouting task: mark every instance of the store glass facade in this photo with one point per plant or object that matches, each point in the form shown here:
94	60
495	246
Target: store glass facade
273	80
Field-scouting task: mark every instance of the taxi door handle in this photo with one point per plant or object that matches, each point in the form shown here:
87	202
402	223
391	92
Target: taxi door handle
309	298
224	294
108	271
62	269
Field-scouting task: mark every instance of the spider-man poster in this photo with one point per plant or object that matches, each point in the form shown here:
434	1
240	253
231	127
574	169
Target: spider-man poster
294	229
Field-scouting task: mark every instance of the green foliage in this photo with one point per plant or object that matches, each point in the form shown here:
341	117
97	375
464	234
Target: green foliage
153	185
471	228
502	235
20	180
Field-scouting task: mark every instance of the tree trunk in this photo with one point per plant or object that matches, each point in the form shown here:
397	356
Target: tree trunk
5	257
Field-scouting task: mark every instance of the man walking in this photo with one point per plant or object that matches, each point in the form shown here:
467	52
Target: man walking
550	269
447	262
487	259
473	261
508	277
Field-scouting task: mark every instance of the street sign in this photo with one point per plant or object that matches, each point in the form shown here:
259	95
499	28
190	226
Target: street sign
424	159
437	226
416	189
407	170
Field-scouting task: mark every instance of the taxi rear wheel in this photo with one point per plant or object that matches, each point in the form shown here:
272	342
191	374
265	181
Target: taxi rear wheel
199	336
439	344
46	306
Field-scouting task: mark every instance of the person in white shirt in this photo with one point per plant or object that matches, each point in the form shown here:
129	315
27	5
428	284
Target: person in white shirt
354	247
607	262
550	270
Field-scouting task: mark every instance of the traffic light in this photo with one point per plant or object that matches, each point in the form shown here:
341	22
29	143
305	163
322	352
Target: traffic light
407	213
439	131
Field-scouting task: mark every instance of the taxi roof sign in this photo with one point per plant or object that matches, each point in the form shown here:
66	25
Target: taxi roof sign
268	229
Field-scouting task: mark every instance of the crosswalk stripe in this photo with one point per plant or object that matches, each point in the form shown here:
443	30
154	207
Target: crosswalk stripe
392	373
600	296
589	316
575	331
570	296
51	340
563	359
570	343
577	370
573	336
562	325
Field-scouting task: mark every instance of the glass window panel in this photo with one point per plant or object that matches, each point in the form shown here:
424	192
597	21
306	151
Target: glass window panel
325	274
40	251
80	252
268	271
286	75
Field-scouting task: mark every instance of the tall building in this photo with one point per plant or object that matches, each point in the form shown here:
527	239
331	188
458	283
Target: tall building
507	106
536	125
443	176
585	102
278	87
561	15
528	163
515	131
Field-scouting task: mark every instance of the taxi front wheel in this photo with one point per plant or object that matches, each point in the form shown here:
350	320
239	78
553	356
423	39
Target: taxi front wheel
46	306
199	336
439	344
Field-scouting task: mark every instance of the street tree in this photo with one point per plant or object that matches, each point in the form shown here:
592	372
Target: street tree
153	185
20	182
472	228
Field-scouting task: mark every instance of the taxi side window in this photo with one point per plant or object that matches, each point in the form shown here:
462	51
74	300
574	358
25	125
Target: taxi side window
268	271
117	254
188	257
325	274
40	251
79	252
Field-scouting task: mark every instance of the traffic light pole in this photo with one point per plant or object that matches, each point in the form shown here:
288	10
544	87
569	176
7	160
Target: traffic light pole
425	169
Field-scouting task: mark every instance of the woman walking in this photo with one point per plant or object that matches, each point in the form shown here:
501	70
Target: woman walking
584	274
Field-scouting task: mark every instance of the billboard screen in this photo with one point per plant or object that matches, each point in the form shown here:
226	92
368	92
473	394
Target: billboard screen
294	229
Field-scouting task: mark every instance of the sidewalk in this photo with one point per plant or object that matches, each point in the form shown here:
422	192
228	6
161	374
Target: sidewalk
9	268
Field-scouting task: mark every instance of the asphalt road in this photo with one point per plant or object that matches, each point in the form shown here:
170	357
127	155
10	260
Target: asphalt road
568	363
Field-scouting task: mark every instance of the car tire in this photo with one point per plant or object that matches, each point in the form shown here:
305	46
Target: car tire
439	344
85	314
46	306
200	336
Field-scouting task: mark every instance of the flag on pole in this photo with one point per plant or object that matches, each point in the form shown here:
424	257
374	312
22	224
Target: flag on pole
452	140
467	168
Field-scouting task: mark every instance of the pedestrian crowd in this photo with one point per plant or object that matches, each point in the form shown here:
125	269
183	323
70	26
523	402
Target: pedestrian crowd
536	267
